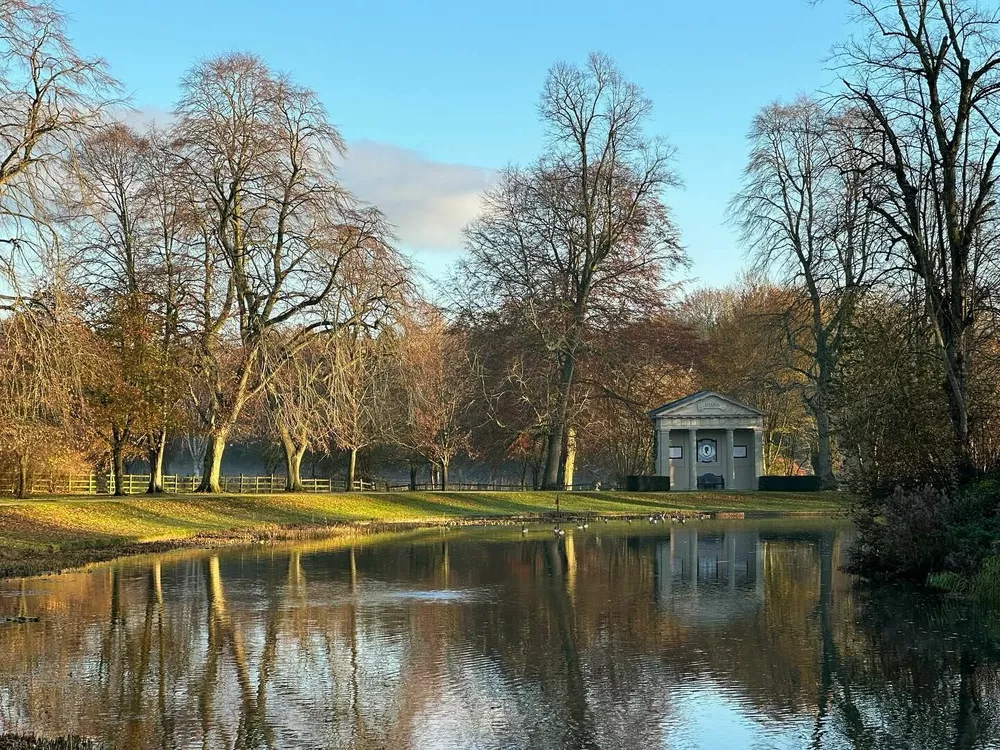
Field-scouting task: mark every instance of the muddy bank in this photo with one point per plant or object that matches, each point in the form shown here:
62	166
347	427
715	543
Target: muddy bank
30	742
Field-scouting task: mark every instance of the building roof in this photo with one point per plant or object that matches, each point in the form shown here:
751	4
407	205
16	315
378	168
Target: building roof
695	397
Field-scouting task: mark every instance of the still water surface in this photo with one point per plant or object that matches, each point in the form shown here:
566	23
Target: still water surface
705	635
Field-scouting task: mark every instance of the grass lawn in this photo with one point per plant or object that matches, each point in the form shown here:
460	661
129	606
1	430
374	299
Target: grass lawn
50	533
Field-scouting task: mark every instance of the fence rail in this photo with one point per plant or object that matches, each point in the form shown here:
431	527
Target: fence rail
136	484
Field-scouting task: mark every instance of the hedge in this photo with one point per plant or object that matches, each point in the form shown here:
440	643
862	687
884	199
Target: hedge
647	484
809	483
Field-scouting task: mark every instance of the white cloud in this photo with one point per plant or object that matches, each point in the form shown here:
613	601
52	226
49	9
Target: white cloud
427	201
142	118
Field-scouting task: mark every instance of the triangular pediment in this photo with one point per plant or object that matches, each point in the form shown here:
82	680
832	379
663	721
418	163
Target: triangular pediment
705	404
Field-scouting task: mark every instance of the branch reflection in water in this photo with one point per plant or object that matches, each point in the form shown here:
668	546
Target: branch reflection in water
715	634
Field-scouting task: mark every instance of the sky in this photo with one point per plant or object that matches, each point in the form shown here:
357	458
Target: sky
434	96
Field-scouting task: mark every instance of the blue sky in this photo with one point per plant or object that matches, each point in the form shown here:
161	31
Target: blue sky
432	96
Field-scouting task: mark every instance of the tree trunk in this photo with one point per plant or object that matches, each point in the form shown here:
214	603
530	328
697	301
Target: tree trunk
211	473
21	490
553	458
293	460
413	476
824	451
557	431
956	389
352	468
569	462
157	446
444	474
295	470
118	466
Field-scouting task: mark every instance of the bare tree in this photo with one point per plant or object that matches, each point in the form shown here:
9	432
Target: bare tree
172	229
362	355
43	362
105	225
298	405
583	232
277	230
927	76
360	387
51	96
746	354
434	394
803	213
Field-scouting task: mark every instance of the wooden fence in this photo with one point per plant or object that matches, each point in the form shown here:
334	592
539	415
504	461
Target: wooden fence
137	484
487	487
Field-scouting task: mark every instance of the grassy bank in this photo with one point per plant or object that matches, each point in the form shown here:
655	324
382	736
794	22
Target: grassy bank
53	533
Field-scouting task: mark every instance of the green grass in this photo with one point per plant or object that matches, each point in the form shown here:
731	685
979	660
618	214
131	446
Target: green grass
50	533
984	585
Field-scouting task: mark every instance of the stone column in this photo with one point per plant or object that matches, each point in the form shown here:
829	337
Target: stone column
692	449
730	465
663	454
758	456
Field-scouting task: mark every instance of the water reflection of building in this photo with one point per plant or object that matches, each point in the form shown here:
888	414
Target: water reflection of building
709	576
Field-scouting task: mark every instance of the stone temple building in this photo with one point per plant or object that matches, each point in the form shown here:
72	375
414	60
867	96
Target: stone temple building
708	441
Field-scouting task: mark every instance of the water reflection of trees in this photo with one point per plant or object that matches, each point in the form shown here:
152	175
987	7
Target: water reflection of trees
586	641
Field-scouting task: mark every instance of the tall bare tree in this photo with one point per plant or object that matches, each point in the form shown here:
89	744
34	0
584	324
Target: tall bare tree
106	226
927	76
803	213
582	233
172	230
277	231
50	96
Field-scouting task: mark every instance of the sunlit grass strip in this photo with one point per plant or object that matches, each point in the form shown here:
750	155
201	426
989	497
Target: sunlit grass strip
50	526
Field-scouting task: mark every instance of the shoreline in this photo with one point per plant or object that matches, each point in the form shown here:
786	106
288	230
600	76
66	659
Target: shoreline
47	536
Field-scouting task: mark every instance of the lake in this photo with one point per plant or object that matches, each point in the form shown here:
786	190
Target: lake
710	634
